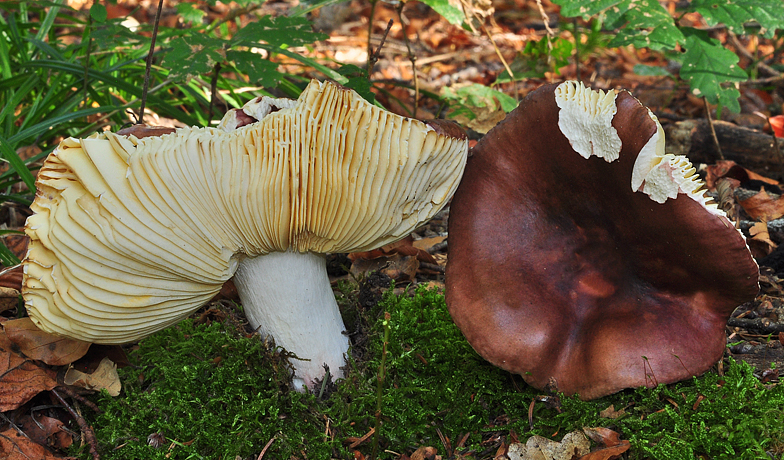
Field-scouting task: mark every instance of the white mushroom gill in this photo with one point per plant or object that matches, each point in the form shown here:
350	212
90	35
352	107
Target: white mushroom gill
585	118
131	235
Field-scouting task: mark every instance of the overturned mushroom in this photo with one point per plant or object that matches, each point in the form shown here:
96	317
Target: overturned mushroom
132	234
581	254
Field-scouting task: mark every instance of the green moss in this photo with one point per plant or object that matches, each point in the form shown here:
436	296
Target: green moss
214	395
232	406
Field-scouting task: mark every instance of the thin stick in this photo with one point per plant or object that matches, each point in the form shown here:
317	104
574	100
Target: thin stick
86	430
550	33
266	446
382	371
213	90
576	51
712	128
148	68
498	53
374	55
411	57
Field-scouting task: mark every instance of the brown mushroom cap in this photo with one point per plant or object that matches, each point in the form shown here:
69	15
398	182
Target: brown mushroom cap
558	270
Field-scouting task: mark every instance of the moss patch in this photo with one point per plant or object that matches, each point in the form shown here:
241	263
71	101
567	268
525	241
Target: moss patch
216	394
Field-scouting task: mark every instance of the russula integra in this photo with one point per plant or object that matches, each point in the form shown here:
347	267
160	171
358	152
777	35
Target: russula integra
130	235
582	255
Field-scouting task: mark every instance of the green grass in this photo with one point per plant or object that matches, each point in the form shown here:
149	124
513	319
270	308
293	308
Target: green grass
216	394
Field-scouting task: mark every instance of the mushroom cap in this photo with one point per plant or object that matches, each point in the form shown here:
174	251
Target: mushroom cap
562	272
131	234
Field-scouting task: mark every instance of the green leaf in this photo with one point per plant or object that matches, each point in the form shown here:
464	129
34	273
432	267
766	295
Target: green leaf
190	13
735	13
584	8
194	54
278	32
644	23
478	95
358	81
651	71
538	58
451	13
259	71
709	67
16	163
98	12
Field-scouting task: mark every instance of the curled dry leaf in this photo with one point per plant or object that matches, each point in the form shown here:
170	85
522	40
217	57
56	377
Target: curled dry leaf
777	125
52	349
104	377
603	436
608	453
46	431
9	298
16	446
611	413
20	378
573	445
762	206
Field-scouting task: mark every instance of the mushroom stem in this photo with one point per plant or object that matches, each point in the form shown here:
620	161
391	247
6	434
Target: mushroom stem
287	295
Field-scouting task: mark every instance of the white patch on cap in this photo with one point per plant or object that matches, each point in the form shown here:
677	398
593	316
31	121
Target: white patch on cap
664	175
586	120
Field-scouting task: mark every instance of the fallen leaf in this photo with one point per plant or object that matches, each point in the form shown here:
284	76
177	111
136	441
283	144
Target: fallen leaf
777	125
730	170
763	207
20	378
608	453
34	343
611	413
424	453
603	436
104	377
46	431
426	244
15	446
9	298
573	445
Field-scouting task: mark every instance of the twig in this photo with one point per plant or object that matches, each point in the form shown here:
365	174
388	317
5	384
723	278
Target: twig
550	33
94	407
762	325
266	446
374	55
213	90
370	34
712	128
742	50
411	56
498	52
149	62
86	430
87	58
576	51
382	371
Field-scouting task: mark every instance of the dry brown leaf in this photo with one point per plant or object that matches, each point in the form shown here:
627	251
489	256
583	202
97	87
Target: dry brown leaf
608	453
425	453
46	431
9	298
104	377
405	247
763	207
20	378
603	436
34	343
573	445
426	244
611	413
16	446
730	170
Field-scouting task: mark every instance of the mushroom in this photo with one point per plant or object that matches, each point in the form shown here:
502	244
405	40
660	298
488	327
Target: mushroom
132	234
582	256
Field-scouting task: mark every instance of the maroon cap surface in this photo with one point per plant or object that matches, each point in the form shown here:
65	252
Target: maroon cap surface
558	270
